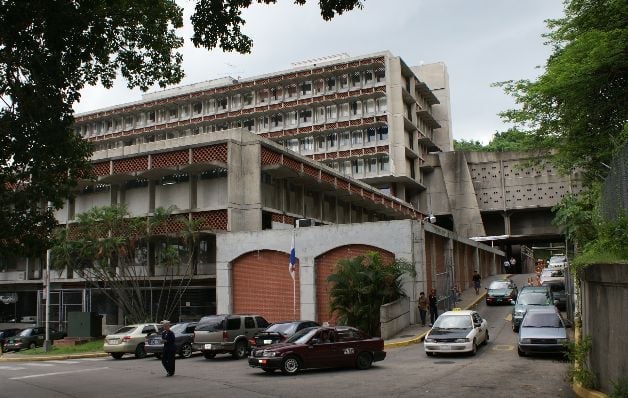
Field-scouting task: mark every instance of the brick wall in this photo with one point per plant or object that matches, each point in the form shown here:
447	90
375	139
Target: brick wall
323	266
262	285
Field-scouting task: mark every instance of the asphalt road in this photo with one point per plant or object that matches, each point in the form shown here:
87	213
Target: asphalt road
496	371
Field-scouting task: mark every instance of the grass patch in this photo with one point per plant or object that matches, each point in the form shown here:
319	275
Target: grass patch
91	346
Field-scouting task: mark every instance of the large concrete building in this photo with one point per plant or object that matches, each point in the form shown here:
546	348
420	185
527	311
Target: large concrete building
360	146
369	117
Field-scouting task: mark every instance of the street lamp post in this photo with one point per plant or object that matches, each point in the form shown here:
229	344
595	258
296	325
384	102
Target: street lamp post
47	284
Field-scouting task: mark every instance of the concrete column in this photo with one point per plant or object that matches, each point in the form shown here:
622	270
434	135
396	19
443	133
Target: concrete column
506	217
193	191
71	208
224	288
307	287
113	194
151	195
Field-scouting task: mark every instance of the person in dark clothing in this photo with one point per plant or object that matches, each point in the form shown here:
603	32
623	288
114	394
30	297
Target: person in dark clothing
433	301
476	282
169	350
423	307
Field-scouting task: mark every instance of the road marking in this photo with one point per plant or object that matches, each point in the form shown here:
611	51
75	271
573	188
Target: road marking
508	317
40	364
503	347
63	362
92	359
11	368
58	373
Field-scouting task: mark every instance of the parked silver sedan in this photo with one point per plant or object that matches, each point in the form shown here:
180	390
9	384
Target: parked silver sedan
542	331
129	339
183	338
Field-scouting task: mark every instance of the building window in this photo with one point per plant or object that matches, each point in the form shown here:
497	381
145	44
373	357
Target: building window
343	81
371	166
197	108
173	113
305	115
307	144
306	87
368	77
293	118
222	103
369	106
292	91
344	109
356	108
151	116
370	135
331	111
293	144
357	166
276	120
380	75
356	137
331	140
249	124
384	163
331	83
320	142
345	138
235	101
382	133
355	79
381	105
275	93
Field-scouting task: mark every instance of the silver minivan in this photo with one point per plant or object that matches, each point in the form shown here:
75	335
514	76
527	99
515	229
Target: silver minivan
220	334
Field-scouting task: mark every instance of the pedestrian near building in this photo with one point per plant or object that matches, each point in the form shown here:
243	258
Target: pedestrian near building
513	264
476	282
423	304
506	266
169	350
433	303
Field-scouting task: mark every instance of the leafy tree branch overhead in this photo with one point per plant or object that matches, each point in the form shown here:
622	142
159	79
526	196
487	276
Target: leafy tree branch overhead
578	105
49	51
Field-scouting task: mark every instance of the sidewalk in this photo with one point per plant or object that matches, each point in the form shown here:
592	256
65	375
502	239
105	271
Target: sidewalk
415	333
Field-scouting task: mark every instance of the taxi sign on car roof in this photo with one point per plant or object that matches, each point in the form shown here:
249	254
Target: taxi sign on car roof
456	309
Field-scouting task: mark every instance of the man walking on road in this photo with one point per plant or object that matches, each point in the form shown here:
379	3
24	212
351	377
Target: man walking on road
433	302
169	350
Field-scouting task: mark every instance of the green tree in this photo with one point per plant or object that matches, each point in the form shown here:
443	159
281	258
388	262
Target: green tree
468	145
361	285
578	104
125	259
509	140
49	51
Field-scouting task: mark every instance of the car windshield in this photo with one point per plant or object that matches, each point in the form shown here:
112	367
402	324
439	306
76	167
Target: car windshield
211	324
178	328
453	322
283	328
302	336
533	298
125	329
26	332
534	320
497	285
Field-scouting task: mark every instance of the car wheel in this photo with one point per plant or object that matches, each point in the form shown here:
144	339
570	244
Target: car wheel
209	355
474	348
139	351
32	345
521	353
186	350
364	361
290	365
116	355
429	354
240	350
486	338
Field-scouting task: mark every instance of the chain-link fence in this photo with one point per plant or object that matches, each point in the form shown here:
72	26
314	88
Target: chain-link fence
615	188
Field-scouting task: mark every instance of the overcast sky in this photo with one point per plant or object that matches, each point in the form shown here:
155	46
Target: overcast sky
480	41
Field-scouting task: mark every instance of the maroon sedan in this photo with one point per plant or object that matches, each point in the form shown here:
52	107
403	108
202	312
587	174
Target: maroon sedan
320	347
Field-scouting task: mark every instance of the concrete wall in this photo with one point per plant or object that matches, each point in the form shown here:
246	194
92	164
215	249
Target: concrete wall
605	319
394	317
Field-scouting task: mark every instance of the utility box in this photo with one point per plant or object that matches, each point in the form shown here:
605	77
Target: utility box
84	324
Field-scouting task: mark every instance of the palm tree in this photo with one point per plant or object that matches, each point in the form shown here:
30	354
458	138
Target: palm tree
361	285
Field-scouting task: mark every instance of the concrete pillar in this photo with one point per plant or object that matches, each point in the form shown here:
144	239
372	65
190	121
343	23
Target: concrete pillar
113	194
307	287
193	191
151	195
224	288
506	217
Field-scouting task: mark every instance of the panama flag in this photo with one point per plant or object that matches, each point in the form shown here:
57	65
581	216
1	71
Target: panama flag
293	259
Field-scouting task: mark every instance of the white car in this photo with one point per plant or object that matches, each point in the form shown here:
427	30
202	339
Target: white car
551	274
129	340
456	331
557	261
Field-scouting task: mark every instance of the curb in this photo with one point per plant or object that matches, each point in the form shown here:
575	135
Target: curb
419	338
26	358
584	392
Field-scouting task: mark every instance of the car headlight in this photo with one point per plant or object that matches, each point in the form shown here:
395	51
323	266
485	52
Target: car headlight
461	341
525	341
270	354
430	340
